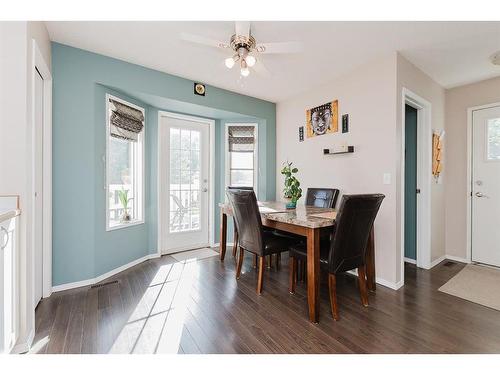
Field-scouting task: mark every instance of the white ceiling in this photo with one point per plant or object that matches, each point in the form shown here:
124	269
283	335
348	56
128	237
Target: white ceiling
452	53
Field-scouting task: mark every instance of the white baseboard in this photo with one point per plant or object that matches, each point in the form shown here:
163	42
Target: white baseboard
24	347
435	262
411	261
98	279
458	259
380	281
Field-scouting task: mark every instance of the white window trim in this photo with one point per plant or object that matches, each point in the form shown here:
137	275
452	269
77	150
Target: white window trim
141	187
227	158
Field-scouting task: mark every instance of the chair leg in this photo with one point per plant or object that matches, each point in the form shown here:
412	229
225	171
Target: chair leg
332	286
240	263
260	279
292	275
303	272
363	291
255	261
269	261
299	269
235	242
277	261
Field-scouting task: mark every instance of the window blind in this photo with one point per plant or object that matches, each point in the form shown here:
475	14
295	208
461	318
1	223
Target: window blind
125	122
241	138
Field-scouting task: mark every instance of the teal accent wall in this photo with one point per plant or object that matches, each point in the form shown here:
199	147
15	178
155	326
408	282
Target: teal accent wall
410	182
82	249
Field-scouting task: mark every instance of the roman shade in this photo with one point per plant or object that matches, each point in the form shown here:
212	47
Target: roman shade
241	138
125	122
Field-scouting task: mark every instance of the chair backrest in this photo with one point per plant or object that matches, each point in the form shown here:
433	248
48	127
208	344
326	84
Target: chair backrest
354	221
247	219
325	198
239	188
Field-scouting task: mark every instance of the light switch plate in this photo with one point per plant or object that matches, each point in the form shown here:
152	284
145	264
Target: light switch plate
387	178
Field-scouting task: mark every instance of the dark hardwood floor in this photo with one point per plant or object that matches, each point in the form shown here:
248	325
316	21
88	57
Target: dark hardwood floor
161	306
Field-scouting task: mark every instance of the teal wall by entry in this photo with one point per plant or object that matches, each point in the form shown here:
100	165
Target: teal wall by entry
410	182
82	249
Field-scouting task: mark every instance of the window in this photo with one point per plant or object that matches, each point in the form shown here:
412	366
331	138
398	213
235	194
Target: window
494	139
241	155
124	163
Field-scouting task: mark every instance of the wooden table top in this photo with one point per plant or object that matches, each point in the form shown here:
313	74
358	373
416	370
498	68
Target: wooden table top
305	216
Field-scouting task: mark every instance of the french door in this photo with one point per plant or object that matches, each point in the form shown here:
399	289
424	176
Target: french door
184	172
486	186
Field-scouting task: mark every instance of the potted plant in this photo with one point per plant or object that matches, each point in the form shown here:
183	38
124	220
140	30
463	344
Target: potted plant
124	200
292	191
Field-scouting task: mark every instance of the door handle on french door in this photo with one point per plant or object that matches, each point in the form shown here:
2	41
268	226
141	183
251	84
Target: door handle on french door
481	195
204	190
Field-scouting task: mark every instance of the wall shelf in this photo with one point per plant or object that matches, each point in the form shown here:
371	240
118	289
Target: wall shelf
329	151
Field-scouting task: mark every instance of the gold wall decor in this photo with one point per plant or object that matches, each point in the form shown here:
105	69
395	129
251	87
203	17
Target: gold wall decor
437	151
322	119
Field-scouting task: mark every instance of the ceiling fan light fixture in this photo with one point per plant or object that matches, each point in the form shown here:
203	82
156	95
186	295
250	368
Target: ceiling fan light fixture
245	72
229	62
250	60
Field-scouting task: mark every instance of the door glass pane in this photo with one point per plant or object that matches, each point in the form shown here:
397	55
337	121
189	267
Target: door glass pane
241	177
494	139
184	180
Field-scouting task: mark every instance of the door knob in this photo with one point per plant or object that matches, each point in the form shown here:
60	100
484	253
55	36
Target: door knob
205	190
481	195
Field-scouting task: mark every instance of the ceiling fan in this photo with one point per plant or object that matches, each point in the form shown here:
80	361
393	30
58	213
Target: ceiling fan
245	48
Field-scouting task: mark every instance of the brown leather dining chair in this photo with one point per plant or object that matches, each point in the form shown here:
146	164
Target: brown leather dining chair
235	232
322	197
346	250
252	236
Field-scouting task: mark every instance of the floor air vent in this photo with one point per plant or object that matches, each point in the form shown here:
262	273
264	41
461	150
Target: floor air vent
449	264
103	284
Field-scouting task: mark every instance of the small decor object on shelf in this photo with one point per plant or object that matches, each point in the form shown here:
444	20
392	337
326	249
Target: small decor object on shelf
124	200
322	119
199	89
345	123
301	134
292	191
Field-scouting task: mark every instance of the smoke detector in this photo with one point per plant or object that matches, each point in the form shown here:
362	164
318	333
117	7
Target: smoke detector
495	58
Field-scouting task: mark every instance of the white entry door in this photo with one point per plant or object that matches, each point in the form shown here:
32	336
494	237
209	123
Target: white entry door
486	186
184	167
38	214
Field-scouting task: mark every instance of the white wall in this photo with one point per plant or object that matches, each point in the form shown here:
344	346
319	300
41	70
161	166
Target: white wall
458	100
16	62
412	78
368	95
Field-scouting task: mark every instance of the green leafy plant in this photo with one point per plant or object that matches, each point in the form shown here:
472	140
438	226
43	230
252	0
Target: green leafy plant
124	200
292	189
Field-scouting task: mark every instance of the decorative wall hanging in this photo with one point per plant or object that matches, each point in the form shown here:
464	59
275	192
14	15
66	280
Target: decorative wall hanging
322	119
345	123
301	134
199	89
437	150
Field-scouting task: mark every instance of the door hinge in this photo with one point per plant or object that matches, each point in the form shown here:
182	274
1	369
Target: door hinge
418	191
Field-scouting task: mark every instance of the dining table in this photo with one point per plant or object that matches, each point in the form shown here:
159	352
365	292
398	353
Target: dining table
309	222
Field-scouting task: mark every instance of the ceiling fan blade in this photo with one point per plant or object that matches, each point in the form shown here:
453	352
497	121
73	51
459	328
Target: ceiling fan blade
198	39
282	47
243	28
261	69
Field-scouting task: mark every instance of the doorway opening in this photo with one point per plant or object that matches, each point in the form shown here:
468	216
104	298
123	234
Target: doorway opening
186	171
416	168
411	188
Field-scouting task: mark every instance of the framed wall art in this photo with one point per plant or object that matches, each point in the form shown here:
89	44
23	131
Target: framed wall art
322	119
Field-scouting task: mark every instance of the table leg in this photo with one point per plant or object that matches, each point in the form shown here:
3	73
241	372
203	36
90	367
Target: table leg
370	262
235	241
313	279
223	235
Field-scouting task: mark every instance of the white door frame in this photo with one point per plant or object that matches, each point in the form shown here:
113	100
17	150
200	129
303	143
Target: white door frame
211	172
470	112
42	67
424	169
